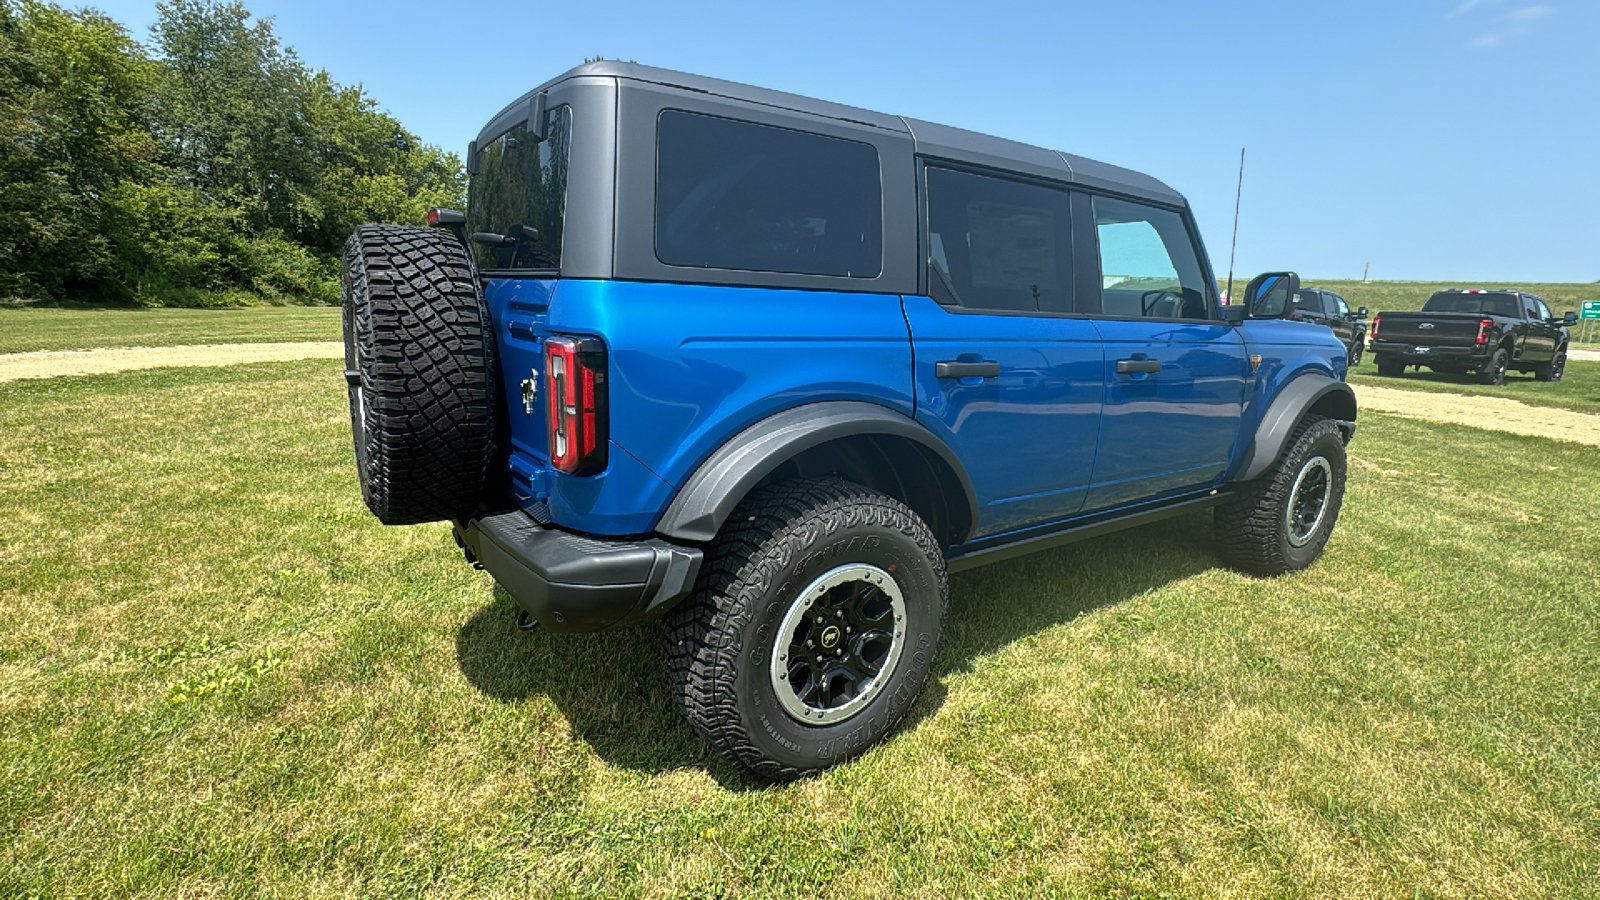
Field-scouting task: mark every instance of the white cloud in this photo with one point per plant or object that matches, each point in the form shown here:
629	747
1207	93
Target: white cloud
1530	14
1465	7
1516	23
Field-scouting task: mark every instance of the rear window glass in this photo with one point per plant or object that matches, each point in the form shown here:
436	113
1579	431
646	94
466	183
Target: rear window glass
520	189
737	195
1496	304
997	244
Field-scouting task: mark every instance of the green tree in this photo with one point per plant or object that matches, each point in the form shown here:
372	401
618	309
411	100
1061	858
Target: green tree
221	166
75	94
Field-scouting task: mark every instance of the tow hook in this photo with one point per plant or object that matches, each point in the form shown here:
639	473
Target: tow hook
525	621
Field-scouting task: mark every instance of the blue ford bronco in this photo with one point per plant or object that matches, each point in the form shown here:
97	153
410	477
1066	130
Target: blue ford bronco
772	367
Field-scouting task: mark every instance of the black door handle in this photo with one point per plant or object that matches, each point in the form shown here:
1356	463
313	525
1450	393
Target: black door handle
953	369
1134	366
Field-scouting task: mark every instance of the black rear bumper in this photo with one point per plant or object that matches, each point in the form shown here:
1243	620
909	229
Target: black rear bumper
1475	354
572	583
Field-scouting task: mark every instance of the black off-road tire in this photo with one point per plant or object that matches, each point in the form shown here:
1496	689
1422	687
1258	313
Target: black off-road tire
1252	528
1554	369
722	640
1390	367
1353	355
420	367
1494	371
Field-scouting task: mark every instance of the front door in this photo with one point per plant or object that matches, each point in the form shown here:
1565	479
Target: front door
1174	374
1002	370
1542	336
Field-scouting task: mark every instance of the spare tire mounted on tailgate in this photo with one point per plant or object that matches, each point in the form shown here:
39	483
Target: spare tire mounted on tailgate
420	366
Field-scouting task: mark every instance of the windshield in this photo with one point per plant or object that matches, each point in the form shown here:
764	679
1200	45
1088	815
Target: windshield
1495	304
520	188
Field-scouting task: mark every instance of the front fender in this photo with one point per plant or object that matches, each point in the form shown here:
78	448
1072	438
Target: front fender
1307	392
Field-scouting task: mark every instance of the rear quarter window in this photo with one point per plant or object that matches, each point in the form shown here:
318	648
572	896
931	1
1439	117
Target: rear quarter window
737	195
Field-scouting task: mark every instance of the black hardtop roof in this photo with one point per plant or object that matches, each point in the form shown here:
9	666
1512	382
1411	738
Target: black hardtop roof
931	139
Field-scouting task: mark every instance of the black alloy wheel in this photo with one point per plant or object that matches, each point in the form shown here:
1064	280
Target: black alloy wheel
846	629
1494	371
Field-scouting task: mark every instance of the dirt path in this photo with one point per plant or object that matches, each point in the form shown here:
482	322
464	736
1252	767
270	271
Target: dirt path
1493	413
53	363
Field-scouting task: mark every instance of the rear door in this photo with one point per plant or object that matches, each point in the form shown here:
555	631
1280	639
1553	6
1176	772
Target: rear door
1004	370
1174	374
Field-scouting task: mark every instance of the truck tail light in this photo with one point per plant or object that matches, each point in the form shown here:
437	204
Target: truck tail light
577	404
1483	330
1375	321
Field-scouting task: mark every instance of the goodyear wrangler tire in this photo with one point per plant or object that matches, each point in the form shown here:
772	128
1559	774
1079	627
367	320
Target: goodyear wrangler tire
812	630
420	367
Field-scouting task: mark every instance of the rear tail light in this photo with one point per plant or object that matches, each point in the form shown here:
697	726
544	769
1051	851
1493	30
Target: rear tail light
1483	330
1375	321
577	408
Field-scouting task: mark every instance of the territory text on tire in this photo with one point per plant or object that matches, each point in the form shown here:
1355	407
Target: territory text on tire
813	628
420	369
1281	521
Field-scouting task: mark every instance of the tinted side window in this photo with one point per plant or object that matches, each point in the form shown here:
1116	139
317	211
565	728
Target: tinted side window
1340	308
522	182
1544	311
1148	264
1307	302
997	244
737	195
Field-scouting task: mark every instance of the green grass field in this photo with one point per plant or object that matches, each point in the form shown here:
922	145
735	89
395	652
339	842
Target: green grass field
29	328
1578	389
219	676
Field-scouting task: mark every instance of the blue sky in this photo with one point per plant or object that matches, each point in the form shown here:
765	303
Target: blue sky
1439	139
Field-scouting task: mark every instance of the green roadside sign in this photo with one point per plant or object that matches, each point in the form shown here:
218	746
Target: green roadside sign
1591	310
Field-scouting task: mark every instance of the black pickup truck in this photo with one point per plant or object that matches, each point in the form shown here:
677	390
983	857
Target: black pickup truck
1482	331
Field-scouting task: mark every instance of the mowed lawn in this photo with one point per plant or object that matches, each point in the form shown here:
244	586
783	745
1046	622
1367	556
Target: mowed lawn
219	676
24	329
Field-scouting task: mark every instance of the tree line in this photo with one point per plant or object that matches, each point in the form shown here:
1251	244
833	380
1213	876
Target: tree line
207	166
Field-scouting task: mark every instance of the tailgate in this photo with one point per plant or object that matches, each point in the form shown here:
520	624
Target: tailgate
1430	329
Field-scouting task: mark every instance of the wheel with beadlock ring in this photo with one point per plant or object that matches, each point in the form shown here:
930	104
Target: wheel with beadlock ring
813	628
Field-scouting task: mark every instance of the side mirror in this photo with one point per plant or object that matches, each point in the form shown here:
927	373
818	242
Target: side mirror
1268	295
1569	320
1361	313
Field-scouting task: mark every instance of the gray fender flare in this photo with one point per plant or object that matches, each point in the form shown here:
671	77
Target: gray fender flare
709	495
1298	397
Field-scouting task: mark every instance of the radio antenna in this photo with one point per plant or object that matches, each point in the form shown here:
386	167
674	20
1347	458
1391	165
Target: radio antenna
1239	192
